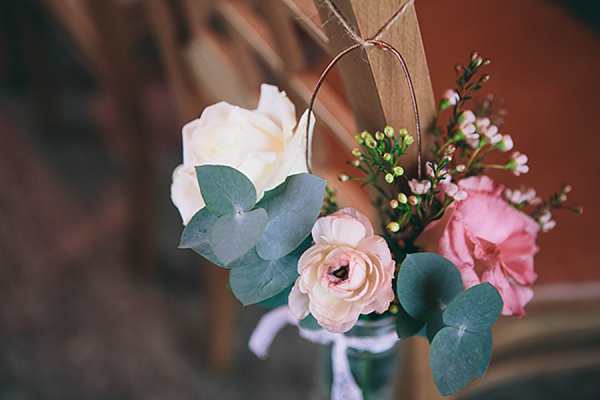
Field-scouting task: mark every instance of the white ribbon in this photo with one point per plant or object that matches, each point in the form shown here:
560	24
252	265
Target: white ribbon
344	386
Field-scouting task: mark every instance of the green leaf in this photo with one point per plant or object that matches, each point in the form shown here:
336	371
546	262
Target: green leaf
435	323
233	235
426	283
310	323
293	208
264	279
225	190
196	237
485	337
407	326
249	258
196	233
475	309
455	357
280	299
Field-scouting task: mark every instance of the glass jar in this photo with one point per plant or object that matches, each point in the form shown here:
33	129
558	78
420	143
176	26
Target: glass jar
374	372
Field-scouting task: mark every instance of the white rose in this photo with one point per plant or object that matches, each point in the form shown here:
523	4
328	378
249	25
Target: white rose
347	272
259	143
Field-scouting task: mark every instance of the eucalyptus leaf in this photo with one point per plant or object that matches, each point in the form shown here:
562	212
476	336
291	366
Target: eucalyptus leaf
264	279
475	309
293	207
426	283
233	235
407	326
196	237
196	233
225	190
455	357
280	299
485	337
310	323
435	323
249	258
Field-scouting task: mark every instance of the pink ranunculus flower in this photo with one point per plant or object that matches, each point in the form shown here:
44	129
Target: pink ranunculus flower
347	272
488	241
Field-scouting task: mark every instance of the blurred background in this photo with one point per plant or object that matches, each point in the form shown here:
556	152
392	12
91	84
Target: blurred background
97	302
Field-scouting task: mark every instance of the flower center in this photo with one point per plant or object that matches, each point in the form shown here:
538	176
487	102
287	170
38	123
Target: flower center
342	271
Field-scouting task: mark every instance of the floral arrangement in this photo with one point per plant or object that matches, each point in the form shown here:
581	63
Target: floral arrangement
455	249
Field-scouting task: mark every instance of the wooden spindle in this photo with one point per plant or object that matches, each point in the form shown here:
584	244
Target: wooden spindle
374	81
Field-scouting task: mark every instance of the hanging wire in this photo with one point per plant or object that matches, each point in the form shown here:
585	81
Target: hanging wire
383	46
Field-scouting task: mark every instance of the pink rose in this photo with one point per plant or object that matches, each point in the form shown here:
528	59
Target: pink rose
347	272
488	241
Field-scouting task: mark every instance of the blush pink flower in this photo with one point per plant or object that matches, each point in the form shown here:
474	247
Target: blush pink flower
488	241
347	272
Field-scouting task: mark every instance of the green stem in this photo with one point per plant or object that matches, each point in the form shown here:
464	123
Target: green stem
448	143
498	166
473	157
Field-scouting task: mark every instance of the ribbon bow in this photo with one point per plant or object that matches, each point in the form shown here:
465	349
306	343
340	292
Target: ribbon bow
344	386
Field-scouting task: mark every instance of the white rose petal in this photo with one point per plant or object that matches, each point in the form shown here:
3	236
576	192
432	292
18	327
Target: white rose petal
261	143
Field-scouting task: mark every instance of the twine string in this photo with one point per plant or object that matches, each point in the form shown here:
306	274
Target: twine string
349	28
392	20
362	43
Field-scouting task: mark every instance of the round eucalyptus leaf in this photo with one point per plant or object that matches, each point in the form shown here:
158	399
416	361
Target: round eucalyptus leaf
280	299
225	190
455	357
475	309
293	208
485	337
426	283
435	323
195	235
264	279
407	326
233	235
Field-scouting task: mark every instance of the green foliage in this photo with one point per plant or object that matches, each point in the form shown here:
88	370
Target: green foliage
471	314
260	242
234	234
485	337
196	237
225	190
264	279
475	309
233	231
329	203
455	357
457	323
426	283
280	299
407	326
293	208
435	323
310	323
196	233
